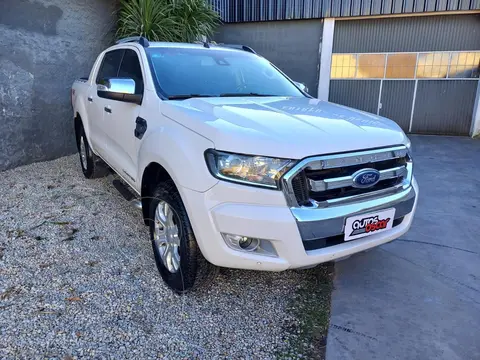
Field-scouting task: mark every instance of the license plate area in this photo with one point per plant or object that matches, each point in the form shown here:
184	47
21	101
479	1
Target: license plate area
359	226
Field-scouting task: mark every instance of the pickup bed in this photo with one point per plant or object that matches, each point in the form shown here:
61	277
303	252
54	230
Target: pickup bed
235	165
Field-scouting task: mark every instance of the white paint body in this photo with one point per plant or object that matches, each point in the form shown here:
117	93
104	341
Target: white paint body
180	131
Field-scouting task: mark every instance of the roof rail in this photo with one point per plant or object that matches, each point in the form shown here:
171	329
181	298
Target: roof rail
239	47
139	39
205	44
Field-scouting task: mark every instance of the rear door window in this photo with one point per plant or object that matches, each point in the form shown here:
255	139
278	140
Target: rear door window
110	65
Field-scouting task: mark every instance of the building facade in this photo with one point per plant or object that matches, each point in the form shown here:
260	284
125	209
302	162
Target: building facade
415	62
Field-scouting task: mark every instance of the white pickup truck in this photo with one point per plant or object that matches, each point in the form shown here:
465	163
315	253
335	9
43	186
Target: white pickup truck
235	165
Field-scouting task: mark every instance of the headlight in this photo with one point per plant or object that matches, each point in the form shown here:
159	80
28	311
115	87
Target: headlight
408	144
409	147
247	169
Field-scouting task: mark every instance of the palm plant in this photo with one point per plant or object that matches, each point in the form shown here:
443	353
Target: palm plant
195	18
166	20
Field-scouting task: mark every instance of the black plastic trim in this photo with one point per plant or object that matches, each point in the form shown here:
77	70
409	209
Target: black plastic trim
130	98
140	128
316	244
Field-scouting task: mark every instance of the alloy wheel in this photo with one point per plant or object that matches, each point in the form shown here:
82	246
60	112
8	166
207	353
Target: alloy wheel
166	237
83	152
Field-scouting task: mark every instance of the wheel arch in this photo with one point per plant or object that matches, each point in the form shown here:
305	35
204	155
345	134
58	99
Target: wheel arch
78	124
81	116
153	174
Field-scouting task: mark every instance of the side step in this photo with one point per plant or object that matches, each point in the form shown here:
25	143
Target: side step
137	204
127	194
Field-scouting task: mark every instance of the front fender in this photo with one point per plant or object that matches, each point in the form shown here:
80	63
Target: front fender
181	152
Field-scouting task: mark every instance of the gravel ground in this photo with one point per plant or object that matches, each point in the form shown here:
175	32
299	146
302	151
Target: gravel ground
78	280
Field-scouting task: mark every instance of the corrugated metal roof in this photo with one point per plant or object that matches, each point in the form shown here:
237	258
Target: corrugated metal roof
268	10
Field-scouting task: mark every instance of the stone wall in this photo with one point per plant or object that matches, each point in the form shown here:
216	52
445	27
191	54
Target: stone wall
44	46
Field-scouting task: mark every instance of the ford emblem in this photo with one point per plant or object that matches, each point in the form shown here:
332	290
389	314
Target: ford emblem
365	178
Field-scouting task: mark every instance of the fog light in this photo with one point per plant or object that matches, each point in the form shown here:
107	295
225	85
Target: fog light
249	244
245	242
241	242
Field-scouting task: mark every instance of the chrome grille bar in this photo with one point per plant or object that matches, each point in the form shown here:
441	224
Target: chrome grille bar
344	160
344	181
361	157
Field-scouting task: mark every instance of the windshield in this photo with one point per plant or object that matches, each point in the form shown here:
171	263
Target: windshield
186	72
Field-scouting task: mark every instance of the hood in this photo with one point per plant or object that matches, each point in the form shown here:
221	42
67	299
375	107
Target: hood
283	127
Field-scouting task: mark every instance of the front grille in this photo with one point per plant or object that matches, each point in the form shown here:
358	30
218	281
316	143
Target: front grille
301	189
351	191
323	174
323	179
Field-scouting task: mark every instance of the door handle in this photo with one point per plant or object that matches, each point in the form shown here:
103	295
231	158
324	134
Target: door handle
90	99
108	110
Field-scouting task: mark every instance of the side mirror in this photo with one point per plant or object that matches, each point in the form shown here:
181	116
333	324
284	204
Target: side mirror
301	86
120	89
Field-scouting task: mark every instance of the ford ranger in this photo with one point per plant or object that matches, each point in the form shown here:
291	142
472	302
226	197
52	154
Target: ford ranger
235	165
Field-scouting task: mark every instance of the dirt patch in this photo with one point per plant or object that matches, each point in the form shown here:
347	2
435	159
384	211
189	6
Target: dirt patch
310	310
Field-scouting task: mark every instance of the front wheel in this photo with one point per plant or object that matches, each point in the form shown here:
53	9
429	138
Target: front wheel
177	255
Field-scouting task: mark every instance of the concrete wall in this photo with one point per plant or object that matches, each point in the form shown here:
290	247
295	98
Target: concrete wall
291	45
44	46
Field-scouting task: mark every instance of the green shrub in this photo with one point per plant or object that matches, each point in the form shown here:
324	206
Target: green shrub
166	20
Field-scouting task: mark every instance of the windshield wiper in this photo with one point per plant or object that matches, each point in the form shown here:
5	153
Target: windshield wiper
243	94
187	96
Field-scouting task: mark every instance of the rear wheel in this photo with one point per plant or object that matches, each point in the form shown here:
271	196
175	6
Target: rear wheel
92	165
177	255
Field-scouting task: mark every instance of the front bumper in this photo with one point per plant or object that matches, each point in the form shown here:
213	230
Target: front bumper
258	213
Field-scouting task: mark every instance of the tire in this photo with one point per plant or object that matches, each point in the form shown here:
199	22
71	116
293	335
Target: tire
193	270
92	166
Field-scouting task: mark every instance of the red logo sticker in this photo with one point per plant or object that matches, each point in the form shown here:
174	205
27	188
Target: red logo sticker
369	225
